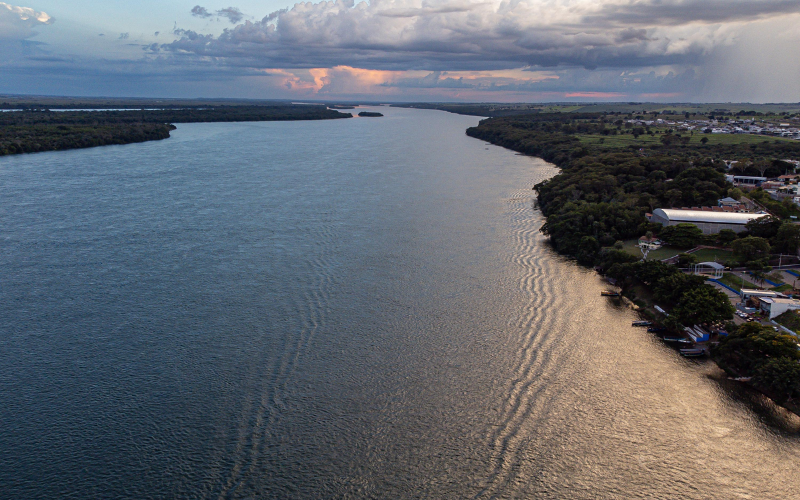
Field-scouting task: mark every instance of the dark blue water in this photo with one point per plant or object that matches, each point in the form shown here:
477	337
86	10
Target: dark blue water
350	308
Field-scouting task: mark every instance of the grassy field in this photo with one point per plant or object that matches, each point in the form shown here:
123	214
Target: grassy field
662	253
625	140
735	282
713	255
690	107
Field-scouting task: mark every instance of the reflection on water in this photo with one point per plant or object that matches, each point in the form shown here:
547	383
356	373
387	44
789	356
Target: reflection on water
347	308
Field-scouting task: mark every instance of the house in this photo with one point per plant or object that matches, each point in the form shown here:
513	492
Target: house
710	222
771	185
746	180
650	243
736	205
775	306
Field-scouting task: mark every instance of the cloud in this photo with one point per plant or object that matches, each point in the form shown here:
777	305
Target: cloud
198	11
478	35
124	36
18	23
233	14
677	12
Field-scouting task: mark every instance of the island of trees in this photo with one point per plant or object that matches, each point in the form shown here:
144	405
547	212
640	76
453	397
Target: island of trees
613	172
369	114
36	129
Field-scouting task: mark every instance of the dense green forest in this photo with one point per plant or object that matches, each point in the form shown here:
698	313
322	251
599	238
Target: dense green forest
769	357
37	130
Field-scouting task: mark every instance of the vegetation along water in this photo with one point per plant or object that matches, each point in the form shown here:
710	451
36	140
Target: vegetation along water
610	179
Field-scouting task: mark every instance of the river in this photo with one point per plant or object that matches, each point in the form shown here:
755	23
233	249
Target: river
345	308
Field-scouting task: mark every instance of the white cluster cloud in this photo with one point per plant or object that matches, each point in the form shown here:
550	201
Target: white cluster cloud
18	23
483	34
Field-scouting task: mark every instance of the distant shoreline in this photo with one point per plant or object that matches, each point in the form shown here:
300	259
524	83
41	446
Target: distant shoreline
38	129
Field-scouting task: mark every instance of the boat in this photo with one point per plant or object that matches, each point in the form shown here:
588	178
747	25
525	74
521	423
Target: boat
642	323
692	353
679	340
609	293
656	329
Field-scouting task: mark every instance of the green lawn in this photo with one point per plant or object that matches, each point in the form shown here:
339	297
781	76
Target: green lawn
735	282
625	140
660	254
713	255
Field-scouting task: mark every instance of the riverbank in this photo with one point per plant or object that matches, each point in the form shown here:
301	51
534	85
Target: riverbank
599	199
41	129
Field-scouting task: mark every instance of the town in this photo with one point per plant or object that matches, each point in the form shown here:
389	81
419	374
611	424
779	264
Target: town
789	129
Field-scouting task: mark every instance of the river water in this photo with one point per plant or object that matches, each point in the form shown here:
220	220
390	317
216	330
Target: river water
345	308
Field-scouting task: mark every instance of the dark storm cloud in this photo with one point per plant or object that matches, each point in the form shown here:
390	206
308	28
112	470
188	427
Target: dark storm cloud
677	12
466	35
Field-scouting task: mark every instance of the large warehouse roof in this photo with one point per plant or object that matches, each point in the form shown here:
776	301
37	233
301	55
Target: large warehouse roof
676	215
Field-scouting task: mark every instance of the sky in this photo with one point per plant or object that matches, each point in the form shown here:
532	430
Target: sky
405	50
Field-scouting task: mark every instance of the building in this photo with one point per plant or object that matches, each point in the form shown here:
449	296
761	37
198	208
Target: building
745	180
650	243
715	269
775	306
736	205
752	295
710	222
771	185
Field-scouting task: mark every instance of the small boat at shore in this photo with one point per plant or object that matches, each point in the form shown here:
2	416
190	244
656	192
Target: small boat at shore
679	340
656	329
692	353
609	293
642	323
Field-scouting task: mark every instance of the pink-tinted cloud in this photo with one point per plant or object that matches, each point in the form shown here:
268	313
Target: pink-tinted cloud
595	95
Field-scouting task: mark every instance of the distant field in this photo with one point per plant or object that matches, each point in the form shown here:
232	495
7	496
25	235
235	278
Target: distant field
712	255
689	107
736	282
630	246
623	141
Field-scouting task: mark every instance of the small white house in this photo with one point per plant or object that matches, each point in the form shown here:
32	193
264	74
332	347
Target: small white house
650	243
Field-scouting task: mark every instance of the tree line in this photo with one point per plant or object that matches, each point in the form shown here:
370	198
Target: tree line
38	130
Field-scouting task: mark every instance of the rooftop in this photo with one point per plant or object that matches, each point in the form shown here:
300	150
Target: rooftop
680	215
779	300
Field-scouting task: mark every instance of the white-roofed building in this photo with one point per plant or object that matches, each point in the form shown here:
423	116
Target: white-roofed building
775	306
710	222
